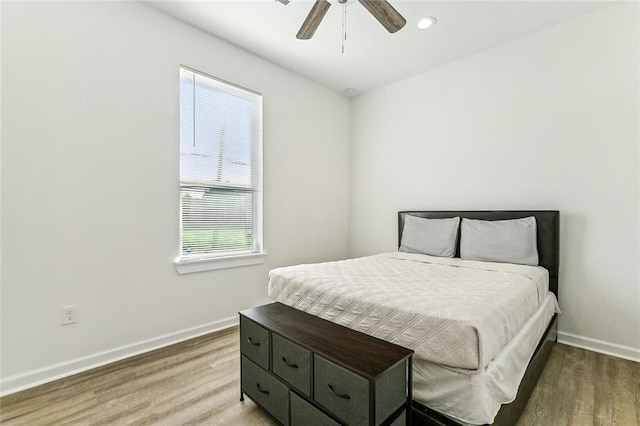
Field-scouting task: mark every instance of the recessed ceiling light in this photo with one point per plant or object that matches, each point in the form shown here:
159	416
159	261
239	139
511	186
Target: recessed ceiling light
427	22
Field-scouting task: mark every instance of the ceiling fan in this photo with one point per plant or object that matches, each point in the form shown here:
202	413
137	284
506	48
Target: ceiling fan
380	9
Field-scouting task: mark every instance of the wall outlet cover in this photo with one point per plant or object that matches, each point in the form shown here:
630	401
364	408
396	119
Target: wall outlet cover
69	314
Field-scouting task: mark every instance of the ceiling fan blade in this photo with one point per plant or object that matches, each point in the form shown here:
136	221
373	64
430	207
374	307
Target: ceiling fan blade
313	20
385	14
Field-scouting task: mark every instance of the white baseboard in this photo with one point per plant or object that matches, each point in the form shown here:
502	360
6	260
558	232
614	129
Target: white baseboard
50	373
595	345
53	372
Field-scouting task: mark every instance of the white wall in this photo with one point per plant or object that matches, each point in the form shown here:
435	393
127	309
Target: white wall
90	183
89	173
550	121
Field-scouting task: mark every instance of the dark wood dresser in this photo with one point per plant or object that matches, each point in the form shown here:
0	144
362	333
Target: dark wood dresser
304	370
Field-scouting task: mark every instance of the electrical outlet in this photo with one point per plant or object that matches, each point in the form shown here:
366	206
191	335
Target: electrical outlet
69	314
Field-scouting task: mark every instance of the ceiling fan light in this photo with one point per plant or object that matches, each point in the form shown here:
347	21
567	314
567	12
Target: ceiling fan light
427	22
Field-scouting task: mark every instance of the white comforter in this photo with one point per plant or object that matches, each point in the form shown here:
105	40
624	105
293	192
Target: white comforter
452	312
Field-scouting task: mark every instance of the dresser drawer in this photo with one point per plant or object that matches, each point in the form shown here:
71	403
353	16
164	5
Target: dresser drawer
391	391
292	363
266	390
305	414
342	392
254	342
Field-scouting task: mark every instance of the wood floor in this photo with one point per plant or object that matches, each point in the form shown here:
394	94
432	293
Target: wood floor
197	382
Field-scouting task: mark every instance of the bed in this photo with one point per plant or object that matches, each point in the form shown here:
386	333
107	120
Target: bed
481	330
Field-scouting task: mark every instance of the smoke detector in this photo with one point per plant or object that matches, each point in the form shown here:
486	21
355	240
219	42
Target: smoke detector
350	92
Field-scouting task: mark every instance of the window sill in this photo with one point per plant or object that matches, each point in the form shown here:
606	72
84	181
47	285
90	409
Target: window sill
211	264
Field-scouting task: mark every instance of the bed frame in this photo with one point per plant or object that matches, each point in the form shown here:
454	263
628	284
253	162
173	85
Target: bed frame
548	228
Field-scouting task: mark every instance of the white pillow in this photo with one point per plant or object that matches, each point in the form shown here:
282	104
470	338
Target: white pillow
507	241
435	237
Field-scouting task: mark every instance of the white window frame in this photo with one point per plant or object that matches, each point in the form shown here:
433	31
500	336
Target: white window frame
221	260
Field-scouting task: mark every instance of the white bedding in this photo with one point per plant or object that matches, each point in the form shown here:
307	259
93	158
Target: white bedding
476	398
451	312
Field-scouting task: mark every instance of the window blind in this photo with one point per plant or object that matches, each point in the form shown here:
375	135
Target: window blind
220	167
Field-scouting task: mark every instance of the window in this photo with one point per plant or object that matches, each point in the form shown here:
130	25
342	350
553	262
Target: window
220	169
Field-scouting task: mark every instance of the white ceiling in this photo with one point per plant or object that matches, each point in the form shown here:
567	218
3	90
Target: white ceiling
372	56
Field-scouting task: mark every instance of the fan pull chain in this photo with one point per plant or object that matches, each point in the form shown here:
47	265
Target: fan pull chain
344	24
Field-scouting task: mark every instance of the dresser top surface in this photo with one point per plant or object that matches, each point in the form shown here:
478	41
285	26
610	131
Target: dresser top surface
359	352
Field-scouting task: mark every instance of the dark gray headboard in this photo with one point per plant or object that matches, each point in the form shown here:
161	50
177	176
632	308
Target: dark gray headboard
548	224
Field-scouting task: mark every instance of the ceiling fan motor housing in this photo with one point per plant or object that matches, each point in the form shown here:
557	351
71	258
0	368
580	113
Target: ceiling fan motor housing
380	9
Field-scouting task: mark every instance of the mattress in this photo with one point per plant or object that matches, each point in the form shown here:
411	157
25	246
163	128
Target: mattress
475	399
451	312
